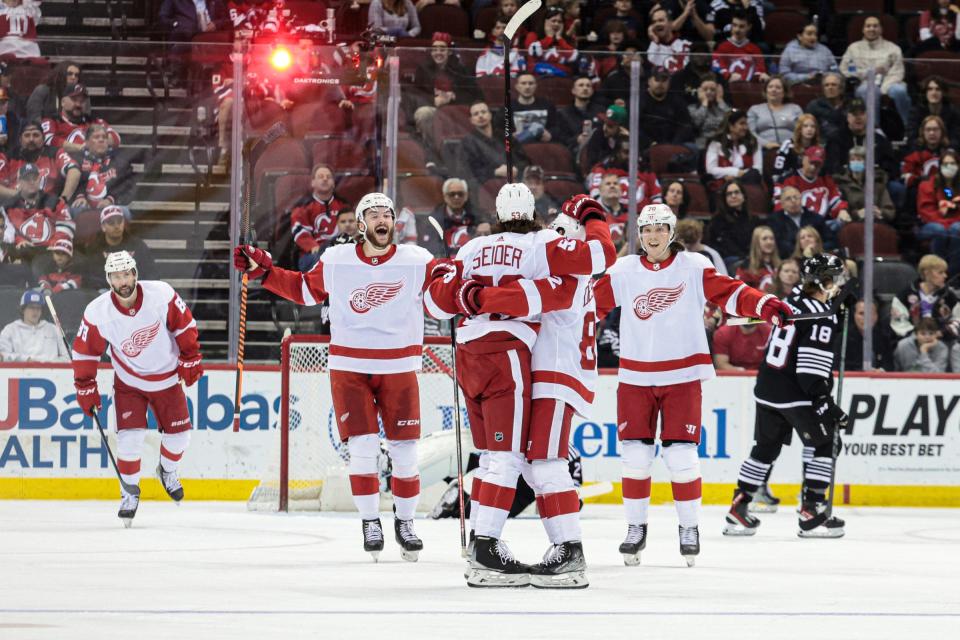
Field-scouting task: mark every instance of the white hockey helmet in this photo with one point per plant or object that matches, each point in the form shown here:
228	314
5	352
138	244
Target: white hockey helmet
369	201
119	261
568	227
656	214
515	202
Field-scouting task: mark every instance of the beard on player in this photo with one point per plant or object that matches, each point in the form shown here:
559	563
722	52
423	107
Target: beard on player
380	233
124	286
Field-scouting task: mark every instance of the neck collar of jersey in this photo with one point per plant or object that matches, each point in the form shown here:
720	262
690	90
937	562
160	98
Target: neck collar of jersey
132	311
658	266
375	260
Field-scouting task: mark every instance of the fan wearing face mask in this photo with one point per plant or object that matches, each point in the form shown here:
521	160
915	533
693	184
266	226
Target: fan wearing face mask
938	205
853	185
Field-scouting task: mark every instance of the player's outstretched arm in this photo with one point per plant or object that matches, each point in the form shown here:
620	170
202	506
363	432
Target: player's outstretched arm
302	288
595	254
443	284
522	298
738	299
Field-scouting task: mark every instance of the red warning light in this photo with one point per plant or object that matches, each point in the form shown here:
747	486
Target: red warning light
280	59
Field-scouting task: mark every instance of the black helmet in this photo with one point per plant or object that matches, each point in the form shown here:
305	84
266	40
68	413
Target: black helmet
824	266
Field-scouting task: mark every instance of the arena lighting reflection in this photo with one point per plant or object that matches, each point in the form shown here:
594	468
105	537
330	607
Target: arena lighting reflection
280	59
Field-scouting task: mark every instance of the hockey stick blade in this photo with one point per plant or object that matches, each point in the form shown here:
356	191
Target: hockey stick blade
521	16
797	318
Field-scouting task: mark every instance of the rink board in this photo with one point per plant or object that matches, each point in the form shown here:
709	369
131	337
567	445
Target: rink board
901	447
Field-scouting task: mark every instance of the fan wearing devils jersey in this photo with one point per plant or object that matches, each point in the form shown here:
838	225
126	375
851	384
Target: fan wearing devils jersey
818	193
494	353
105	175
153	344
55	165
564	380
38	219
375	290
69	130
663	359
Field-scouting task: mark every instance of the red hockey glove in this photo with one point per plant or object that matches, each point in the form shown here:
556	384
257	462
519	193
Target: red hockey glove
775	311
582	207
443	269
88	396
255	262
468	298
190	368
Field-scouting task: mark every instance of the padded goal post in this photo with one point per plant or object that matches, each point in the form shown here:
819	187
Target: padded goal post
306	453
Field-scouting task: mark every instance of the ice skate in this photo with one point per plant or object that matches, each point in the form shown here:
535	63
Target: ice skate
633	544
563	567
128	508
410	544
171	483
493	565
471	547
763	501
739	522
689	544
814	522
372	537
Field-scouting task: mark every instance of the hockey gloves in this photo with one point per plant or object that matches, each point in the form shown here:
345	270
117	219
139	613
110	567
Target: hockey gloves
583	208
468	298
445	269
829	413
775	311
88	396
255	262
190	368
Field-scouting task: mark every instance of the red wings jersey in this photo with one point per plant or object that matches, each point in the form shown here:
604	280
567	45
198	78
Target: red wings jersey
145	342
314	222
57	132
662	339
648	187
820	195
505	257
41	223
52	164
376	305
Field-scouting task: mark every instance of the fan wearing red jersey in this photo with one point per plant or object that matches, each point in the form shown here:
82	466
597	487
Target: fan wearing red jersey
153	344
664	357
375	290
494	351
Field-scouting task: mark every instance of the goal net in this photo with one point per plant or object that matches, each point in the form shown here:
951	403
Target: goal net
306	467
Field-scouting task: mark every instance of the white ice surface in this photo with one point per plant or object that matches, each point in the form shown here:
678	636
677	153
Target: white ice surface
68	571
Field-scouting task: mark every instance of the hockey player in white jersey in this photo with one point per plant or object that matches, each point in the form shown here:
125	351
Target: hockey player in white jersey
375	290
153	343
664	357
494	354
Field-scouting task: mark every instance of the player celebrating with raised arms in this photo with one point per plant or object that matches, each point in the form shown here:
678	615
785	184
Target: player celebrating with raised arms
494	355
154	345
664	357
375	290
793	392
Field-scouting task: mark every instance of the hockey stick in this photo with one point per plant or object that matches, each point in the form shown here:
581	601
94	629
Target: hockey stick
521	16
836	431
797	318
456	402
129	488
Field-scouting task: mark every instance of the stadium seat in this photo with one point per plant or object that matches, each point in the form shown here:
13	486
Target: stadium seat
88	226
891	31
492	89
361	121
263	114
793	5
563	189
769	158
911	6
859	6
24	78
420	193
911	30
273	225
555	90
284	155
317	118
660	156
890	277
699	205
804	93
287	190
758	199
342	153
941	63
487	195
783	26
307	12
853	238
445	17
451	121
352	188
350	21
486	18
744	95
411	158
555	159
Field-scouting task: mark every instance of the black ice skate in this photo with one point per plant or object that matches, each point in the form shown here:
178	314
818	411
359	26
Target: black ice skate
410	544
372	537
763	501
689	544
171	483
493	565
563	567
633	544
128	508
814	522
739	521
